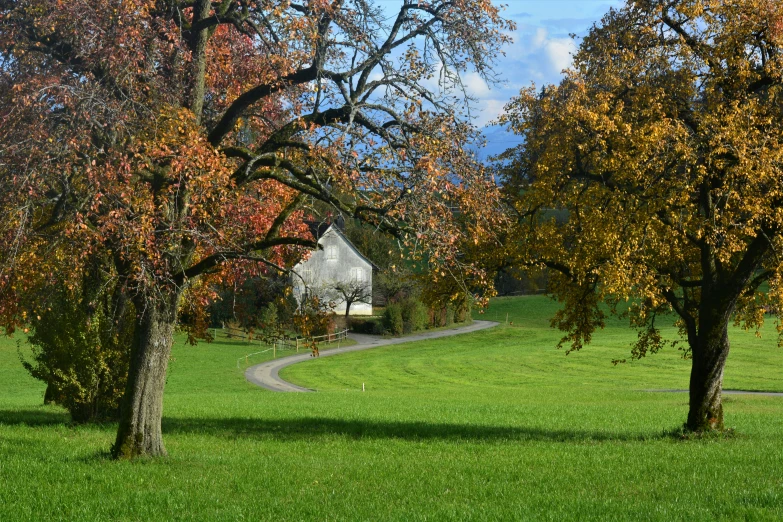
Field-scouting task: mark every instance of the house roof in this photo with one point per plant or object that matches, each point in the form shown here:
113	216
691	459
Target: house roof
319	230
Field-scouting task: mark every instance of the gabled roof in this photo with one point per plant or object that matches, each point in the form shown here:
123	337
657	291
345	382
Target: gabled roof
319	230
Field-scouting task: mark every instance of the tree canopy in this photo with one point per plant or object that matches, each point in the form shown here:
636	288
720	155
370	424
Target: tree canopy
661	154
179	141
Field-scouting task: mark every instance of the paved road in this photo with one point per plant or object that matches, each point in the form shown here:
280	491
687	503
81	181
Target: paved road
267	375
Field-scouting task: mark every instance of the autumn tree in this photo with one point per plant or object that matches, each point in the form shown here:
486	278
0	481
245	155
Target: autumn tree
179	140
663	146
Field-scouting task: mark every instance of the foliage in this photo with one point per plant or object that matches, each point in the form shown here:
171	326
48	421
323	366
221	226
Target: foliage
369	326
313	317
394	284
392	319
244	301
81	348
448	311
269	325
445	297
382	249
414	315
664	145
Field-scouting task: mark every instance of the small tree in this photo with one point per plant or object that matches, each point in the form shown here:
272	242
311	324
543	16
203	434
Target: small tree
314	318
269	324
350	292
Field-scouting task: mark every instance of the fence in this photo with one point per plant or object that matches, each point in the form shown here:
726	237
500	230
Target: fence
288	343
297	342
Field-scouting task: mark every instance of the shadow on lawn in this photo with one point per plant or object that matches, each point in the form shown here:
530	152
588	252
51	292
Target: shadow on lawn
312	427
42	417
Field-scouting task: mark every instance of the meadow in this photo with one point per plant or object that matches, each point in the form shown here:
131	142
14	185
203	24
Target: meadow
496	425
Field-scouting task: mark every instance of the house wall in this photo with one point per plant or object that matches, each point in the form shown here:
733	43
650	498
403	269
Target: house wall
320	273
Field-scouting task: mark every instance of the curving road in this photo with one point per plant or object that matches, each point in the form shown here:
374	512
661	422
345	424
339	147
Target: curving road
267	375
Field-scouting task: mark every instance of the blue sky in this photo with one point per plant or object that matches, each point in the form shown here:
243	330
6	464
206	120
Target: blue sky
542	48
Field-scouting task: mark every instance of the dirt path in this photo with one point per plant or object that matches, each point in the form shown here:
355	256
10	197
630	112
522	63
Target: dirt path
267	375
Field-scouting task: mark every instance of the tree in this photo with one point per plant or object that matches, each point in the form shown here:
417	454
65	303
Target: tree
181	139
353	291
662	154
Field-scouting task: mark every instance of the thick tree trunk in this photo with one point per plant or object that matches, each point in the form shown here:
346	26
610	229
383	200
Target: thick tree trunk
709	358
139	432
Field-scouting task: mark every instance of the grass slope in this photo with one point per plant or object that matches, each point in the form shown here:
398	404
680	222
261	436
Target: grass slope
495	425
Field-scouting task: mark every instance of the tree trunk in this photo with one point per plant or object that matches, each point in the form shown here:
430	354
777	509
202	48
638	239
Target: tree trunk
709	358
139	432
50	395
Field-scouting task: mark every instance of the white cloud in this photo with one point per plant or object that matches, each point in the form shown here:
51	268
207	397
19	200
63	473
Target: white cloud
535	56
475	85
560	52
489	109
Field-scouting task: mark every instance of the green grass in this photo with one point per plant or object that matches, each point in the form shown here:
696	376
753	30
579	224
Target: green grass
496	425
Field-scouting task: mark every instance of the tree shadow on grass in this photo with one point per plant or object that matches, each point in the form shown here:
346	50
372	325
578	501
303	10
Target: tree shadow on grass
42	417
316	427
319	427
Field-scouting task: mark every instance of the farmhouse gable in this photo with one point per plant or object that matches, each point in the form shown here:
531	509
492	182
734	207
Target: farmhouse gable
333	270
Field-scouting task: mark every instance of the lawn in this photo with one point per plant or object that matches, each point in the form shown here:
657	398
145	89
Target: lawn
496	425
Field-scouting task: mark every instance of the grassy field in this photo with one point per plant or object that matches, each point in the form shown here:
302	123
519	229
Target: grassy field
496	425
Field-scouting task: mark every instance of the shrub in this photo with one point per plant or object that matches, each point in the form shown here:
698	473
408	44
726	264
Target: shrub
81	350
377	327
314	317
414	315
268	324
366	326
392	319
449	315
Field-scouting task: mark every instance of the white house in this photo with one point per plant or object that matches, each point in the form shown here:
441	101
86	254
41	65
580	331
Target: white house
335	272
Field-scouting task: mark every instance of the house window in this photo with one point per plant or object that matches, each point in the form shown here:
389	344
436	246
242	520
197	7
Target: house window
331	253
357	275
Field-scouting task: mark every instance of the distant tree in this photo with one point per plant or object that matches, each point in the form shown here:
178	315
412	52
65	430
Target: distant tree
663	150
350	292
381	248
394	284
245	299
